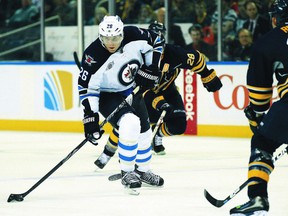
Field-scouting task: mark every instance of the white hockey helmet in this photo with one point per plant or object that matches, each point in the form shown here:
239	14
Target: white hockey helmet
111	26
111	32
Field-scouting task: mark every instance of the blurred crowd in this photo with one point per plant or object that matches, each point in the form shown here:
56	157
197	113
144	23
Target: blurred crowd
243	21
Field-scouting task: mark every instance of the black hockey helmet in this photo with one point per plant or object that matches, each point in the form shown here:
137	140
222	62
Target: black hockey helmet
279	10
157	27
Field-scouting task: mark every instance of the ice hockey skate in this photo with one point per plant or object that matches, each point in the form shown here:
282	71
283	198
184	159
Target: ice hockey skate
130	179
131	182
258	206
157	145
102	160
150	178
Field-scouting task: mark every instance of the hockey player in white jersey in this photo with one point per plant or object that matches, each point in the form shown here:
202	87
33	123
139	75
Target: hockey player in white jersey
110	67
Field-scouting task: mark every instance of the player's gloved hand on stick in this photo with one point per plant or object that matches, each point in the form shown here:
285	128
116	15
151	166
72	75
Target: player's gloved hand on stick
212	82
91	128
253	118
160	104
147	77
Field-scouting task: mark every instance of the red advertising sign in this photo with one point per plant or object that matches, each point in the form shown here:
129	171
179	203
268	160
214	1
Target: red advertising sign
190	101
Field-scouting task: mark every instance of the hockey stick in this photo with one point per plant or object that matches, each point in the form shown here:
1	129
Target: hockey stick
219	203
76	60
118	176
20	197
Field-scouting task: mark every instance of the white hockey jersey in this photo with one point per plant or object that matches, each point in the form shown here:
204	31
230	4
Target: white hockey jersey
115	72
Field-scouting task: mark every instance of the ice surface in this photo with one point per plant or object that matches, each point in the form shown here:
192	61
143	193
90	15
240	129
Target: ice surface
77	188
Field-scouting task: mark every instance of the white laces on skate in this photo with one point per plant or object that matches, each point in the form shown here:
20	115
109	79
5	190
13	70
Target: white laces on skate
130	178
151	178
158	140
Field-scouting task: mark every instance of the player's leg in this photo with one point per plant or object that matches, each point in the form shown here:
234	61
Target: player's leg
129	127
144	153
259	170
109	151
129	132
174	124
271	134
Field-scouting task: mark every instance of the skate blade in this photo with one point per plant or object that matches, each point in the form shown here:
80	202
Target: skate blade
160	153
257	213
132	191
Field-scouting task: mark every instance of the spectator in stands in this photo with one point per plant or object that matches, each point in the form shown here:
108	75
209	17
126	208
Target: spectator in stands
49	8
146	14
7	9
130	11
196	34
256	23
229	18
99	13
175	33
201	16
242	15
155	4
228	36
211	6
89	10
182	10
25	15
240	48
66	11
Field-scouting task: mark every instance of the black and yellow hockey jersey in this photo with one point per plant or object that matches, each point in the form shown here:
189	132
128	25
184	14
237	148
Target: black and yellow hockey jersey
269	56
174	59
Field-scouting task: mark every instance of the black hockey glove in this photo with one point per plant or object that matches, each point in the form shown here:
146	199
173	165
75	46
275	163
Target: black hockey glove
92	128
253	118
160	104
212	82
148	77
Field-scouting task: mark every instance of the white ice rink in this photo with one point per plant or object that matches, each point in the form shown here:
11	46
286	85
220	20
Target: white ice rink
77	189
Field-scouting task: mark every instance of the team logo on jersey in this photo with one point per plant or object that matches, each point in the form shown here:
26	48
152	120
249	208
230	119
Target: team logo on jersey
89	60
128	71
110	65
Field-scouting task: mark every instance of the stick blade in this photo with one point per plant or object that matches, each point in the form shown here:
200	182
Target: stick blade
212	200
115	177
15	197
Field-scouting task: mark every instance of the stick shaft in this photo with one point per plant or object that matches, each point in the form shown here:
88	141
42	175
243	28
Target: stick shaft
159	122
53	169
120	106
219	203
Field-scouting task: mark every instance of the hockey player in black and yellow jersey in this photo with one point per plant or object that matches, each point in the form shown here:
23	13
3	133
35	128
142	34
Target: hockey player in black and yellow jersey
269	58
166	95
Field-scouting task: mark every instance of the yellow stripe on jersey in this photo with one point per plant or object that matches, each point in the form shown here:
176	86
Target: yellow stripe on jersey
260	96
164	130
156	101
200	65
209	78
259	89
282	89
